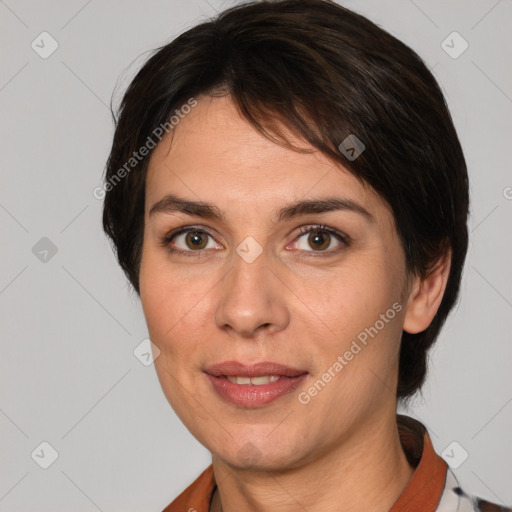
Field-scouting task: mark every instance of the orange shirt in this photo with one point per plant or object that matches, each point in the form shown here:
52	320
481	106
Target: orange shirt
432	487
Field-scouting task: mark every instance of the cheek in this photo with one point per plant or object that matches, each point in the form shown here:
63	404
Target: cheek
159	298
361	321
162	293
153	296
175	305
353	296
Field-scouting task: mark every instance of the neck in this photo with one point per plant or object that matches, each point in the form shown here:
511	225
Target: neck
367	472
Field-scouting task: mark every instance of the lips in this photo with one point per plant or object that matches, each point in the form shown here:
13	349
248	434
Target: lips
235	368
255	385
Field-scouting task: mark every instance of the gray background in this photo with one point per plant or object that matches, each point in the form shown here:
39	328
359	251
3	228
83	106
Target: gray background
69	323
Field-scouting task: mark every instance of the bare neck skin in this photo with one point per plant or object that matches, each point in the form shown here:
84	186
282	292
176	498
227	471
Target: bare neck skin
367	472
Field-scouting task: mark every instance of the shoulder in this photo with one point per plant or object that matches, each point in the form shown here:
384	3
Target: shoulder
455	499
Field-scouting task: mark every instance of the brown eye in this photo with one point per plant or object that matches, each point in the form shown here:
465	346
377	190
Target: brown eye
196	239
319	240
189	242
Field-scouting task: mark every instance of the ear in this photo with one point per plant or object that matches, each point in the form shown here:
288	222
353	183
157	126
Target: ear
426	294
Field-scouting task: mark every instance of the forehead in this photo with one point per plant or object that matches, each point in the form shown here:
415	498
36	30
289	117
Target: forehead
214	154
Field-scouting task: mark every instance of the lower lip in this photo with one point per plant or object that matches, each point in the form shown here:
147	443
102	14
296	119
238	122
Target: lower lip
251	396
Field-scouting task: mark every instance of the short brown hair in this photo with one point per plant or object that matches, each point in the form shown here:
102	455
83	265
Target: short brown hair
326	73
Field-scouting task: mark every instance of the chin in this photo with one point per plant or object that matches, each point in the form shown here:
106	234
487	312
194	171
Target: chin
259	457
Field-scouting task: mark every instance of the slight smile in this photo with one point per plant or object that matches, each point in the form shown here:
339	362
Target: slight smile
253	385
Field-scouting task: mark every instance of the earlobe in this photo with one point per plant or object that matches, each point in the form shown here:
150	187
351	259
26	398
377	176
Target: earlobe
426	294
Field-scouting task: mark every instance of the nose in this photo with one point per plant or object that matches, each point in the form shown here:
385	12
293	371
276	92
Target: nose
252	299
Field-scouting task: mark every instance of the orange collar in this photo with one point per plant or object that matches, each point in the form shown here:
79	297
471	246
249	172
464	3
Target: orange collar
422	492
426	485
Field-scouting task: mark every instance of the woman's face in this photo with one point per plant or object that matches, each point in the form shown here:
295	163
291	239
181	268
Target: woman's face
252	285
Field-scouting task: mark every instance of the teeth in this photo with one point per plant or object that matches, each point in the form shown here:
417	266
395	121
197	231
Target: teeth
256	381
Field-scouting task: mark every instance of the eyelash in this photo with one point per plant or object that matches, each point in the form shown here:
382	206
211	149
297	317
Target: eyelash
341	237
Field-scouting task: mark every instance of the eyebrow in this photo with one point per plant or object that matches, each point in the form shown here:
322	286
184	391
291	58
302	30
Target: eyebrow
172	203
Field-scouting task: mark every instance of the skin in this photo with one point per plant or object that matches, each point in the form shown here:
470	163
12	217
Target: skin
291	305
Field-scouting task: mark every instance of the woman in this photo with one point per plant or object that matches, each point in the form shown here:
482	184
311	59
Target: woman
287	194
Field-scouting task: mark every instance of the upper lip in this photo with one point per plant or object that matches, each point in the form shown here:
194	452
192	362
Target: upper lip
235	368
